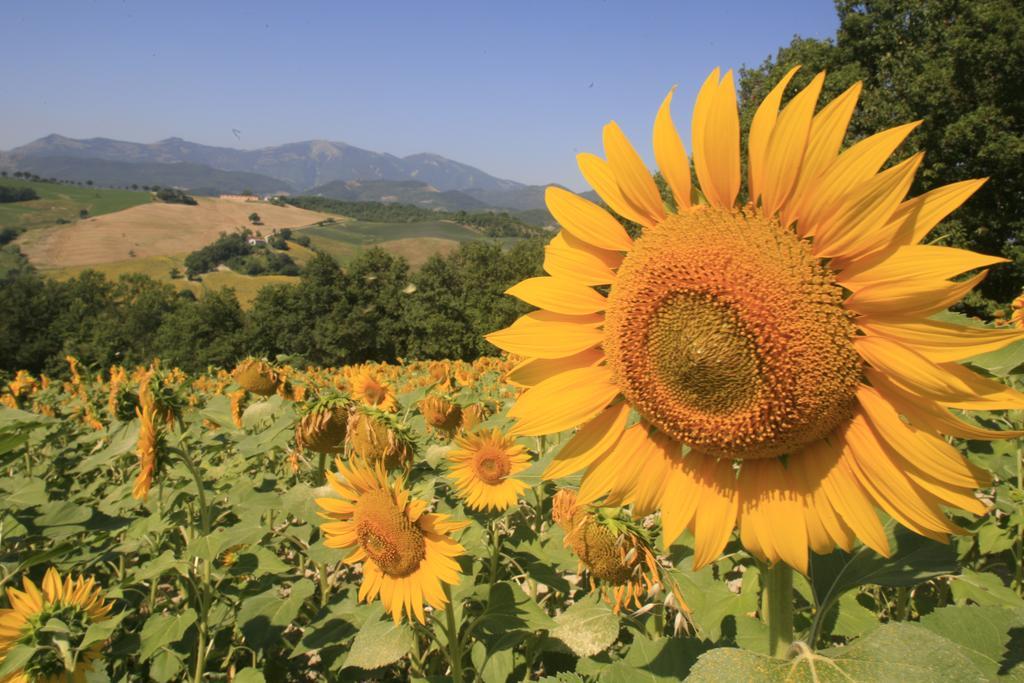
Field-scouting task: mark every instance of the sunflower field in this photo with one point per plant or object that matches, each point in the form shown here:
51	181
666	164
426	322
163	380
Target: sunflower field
741	438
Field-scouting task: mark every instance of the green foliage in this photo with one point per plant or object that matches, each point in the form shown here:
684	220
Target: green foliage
490	224
170	195
957	67
10	195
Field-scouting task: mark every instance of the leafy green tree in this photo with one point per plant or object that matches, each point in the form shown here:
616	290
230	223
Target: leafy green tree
958	67
210	331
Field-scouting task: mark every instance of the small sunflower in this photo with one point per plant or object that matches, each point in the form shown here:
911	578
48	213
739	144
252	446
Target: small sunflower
147	451
379	437
375	392
76	603
441	415
407	553
614	552
483	468
780	355
257	376
322	427
237	397
1017	317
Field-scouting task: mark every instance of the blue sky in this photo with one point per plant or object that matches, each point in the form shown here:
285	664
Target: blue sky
514	88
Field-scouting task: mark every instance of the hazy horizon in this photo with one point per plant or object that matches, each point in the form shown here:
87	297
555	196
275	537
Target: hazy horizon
514	91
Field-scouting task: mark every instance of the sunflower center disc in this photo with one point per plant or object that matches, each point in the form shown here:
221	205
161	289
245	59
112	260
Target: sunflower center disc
727	334
387	535
492	465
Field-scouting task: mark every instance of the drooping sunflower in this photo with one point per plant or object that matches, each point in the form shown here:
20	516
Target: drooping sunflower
484	467
77	603
442	416
615	552
380	437
406	552
370	389
146	450
322	426
777	357
257	376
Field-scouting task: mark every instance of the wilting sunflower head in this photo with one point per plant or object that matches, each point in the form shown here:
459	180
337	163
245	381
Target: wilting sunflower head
484	466
473	415
612	550
379	437
147	450
780	354
322	426
374	391
75	603
257	376
441	415
23	384
406	551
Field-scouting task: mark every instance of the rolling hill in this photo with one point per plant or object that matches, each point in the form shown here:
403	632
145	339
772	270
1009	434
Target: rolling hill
154	229
297	165
412	192
59	201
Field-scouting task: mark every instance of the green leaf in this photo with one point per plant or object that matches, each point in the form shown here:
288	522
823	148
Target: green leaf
710	600
1002	362
984	589
158	566
509	608
15	658
101	630
587	627
853	619
250	675
263	616
894	652
164	629
993	637
378	643
165	666
210	547
660	660
497	665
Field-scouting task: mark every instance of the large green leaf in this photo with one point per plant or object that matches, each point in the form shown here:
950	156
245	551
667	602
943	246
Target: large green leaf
895	652
263	616
164	629
653	660
993	637
983	589
587	627
378	643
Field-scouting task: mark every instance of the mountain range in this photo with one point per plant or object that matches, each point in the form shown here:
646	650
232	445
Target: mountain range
310	167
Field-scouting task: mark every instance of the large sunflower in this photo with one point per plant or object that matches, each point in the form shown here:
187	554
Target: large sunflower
406	551
77	603
484	467
771	366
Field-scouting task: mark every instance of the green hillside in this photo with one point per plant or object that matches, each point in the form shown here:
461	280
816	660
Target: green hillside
59	201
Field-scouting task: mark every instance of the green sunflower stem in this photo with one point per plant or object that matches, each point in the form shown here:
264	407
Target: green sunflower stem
779	608
321	467
454	643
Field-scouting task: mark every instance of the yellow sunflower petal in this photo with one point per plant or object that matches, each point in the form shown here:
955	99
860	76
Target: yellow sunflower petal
593	440
534	371
633	178
716	512
573	259
679	507
855	226
558	295
564	401
919	298
786	146
916	217
530	336
930	455
586	220
760	131
917	262
670	154
827	132
598	174
849	170
942	342
716	140
614	473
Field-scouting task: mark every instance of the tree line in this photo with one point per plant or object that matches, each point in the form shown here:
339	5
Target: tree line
374	309
489	223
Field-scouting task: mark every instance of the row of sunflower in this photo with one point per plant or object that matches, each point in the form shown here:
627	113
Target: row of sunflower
728	393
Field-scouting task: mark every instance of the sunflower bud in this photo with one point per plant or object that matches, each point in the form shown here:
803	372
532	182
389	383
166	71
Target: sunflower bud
256	376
